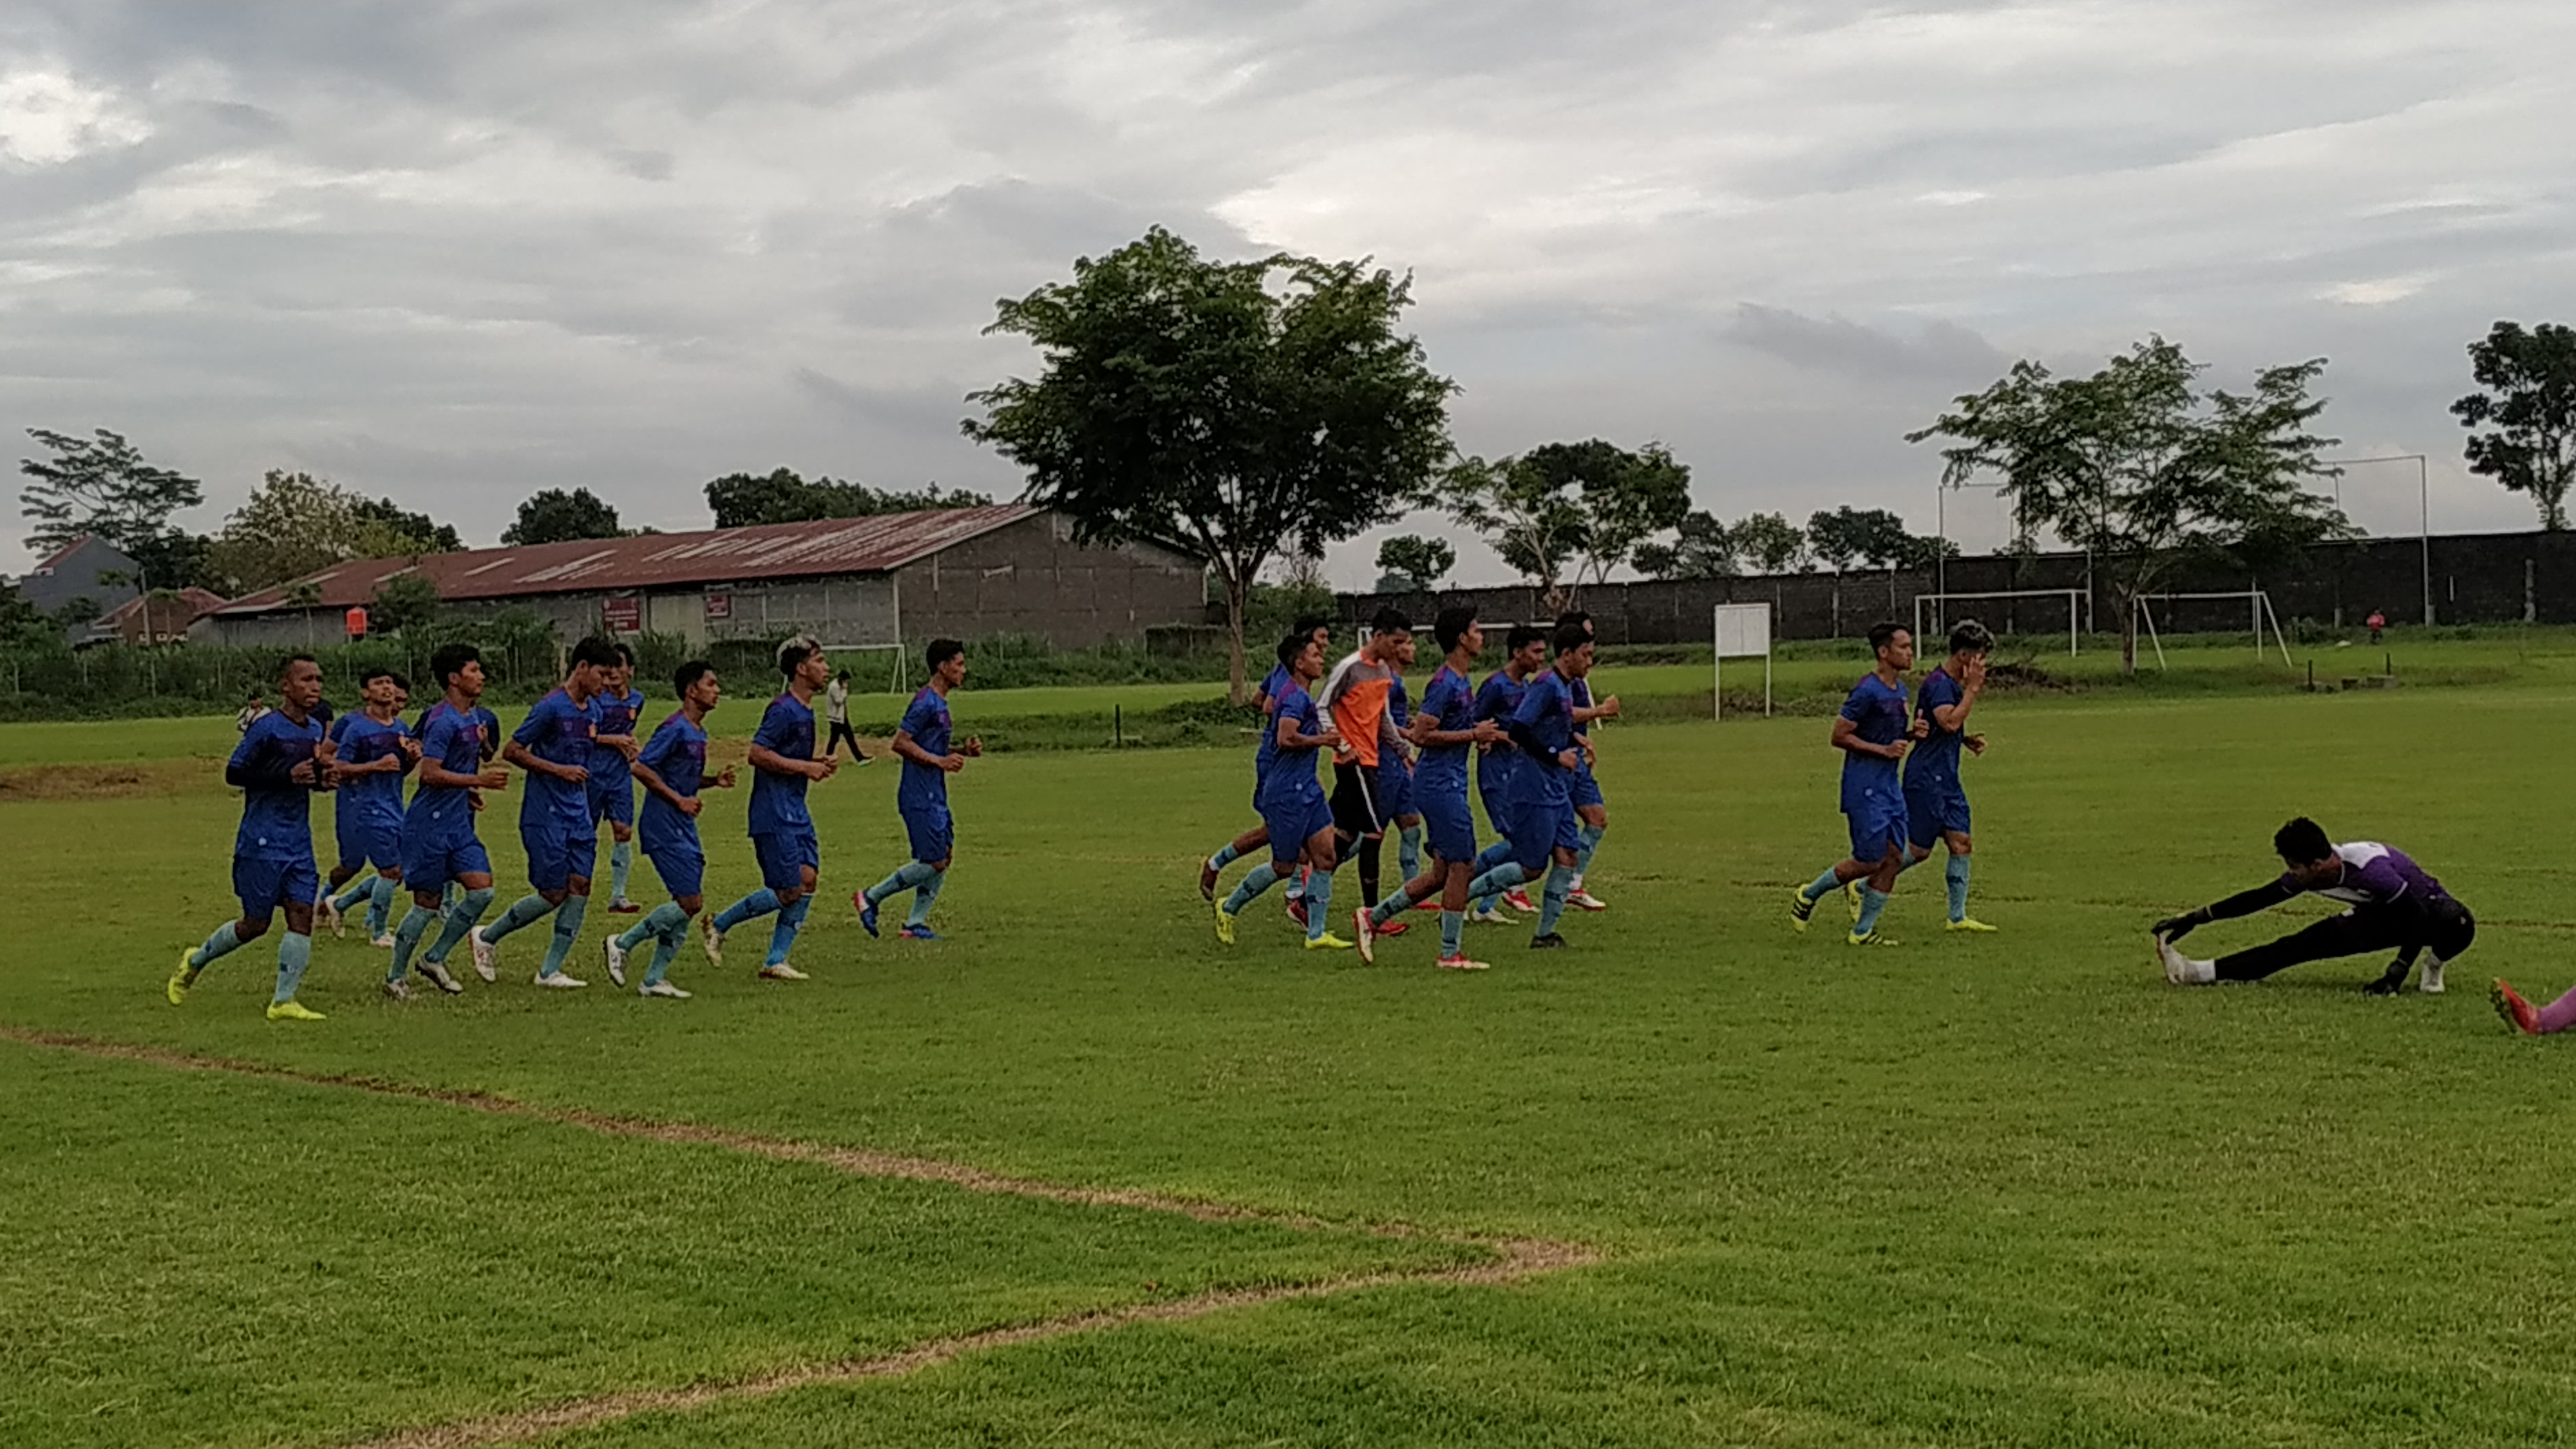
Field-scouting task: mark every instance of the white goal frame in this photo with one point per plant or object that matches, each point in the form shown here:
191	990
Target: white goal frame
2073	598
1740	638
2258	601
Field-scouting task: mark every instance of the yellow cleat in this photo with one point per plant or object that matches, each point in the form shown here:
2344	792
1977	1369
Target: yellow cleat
1970	923
183	978
1327	942
1224	924
1874	938
1801	909
292	1011
1851	898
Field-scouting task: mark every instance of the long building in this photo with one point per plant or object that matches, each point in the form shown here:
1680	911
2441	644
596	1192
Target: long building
885	581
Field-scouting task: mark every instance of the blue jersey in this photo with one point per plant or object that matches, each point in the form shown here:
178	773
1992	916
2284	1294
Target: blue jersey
454	741
778	801
1877	710
374	798
1933	763
275	824
678	754
608	767
1544	724
1449	703
926	720
1273	686
559	732
1398	708
1498	699
1291	778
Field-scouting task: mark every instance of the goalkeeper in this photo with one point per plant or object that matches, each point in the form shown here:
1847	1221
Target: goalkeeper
2393	904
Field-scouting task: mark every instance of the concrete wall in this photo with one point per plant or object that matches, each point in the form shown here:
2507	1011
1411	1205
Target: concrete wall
1032	578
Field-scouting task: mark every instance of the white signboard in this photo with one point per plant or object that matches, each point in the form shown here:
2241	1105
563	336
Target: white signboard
1741	631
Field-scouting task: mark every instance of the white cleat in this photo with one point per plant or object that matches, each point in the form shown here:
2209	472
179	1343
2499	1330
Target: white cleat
1584	900
1491	915
2431	984
711	939
384	941
1366	932
2181	970
398	990
662	989
781	972
562	981
436	973
487	957
616	960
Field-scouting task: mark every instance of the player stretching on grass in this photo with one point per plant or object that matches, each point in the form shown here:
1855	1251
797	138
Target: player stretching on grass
2393	903
1872	733
373	752
556	825
673	765
1936	805
440	847
1292	804
1542	830
1446	728
921	796
782	831
1259	835
277	767
1496	700
612	783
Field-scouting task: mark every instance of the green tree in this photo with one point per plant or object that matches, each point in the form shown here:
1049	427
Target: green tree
1580	508
2529	400
1414	563
1522	515
740	500
1702	548
2141	470
551	515
1251	410
402	603
1771	543
100	485
293	524
23	625
428	535
1871	536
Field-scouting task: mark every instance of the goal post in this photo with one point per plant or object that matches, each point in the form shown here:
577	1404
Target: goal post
1940	614
2258	604
1740	631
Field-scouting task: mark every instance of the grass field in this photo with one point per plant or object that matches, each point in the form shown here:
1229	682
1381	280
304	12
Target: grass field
1697	1180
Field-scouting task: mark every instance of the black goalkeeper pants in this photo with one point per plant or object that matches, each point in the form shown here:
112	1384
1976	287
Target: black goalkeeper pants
2444	928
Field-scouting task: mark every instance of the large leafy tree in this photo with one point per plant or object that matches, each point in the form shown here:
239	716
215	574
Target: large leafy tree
1413	563
1250	410
430	535
781	495
1871	536
1771	543
2529	402
1522	515
551	515
1701	548
1578	509
295	523
2141	469
101	485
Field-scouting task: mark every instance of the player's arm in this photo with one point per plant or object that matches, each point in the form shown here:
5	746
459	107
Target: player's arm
1606	709
515	753
764	756
1292	738
655	784
1427	731
254	766
1846	737
2243	903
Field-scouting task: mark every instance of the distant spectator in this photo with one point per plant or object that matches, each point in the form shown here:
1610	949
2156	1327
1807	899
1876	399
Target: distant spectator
836	701
250	713
2377	621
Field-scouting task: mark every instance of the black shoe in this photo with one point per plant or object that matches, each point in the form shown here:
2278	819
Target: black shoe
1549	942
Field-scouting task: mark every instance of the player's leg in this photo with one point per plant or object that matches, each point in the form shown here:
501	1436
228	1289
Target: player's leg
1227	854
1322	856
1565	839
933	837
255	884
581	856
1592	821
549	849
1286	850
2349	934
794	899
300	885
1962	848
621	864
780	864
1892	858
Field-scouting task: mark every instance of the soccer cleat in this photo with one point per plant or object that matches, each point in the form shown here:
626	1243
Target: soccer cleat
616	960
1461	963
2180	969
487	957
1584	900
1327	942
438	977
292	1011
711	940
183	978
2517	1013
1873	938
1970	924
1367	935
1491	915
1851	898
1549	942
1224	924
562	981
1297	911
2430	982
384	941
398	990
918	933
329	910
662	989
781	971
1801	909
623	907
1394	928
1518	899
1207	880
867	911
1427	903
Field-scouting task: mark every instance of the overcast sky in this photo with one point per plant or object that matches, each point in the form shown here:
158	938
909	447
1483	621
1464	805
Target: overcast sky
455	253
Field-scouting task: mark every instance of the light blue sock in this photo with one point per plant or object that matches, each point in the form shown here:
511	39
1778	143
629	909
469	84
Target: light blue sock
294	953
1495	881
567	930
380	905
1872	901
358	890
621	859
407	940
911	876
1319	903
759	903
1390	908
1408	851
1957	875
1453	928
448	897
782	932
922	896
666	919
223	942
1486	859
664	950
1224	857
1587	840
523	912
1821	887
1261	878
461	917
1551	900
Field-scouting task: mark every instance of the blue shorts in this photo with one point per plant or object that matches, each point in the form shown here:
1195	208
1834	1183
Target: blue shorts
1584	790
1449	825
1540	828
932	832
683	870
555	856
1932	813
1395	790
612	800
784	858
430	864
1877	819
1498	809
370	842
264	885
1293	822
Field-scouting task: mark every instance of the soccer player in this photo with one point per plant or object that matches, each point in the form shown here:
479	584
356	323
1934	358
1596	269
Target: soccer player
2390	902
1872	732
921	796
672	766
1542	830
2531	1020
1446	728
1292	804
1591	812
488	728
373	751
1395	795
553	746
782	831
836	710
1497	698
612	783
1259	835
440	847
1355	694
1936	805
277	767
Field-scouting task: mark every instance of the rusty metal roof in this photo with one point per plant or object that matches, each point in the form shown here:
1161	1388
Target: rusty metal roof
655	560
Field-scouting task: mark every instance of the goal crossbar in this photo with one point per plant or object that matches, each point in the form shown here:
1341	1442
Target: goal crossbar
2258	601
2073	597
